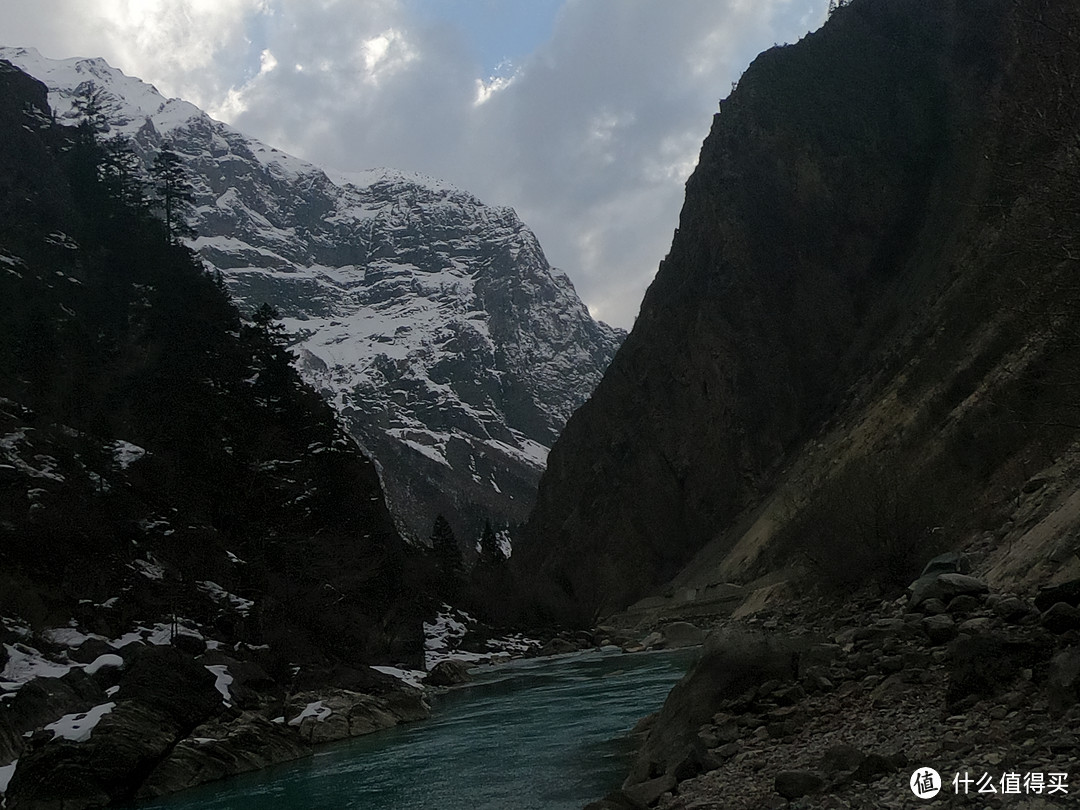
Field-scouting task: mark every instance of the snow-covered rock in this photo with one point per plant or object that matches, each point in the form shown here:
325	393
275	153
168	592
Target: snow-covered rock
433	323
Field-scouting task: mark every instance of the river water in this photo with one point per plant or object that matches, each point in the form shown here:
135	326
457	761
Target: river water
534	735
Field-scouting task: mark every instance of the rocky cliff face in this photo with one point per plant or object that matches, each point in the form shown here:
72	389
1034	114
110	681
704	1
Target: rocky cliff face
859	301
432	322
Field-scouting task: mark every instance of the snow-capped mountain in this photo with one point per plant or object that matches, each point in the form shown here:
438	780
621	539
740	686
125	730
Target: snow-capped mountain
432	322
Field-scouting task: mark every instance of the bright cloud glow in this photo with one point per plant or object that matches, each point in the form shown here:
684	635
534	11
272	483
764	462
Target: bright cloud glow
591	136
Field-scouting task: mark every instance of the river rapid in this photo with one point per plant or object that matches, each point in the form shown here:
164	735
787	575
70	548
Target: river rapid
533	735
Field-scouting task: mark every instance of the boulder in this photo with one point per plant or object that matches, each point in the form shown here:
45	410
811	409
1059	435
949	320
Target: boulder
841	758
163	695
355	679
734	662
90	650
648	793
1061	617
224	747
944	587
1067	592
170	681
1063	680
1012	609
189	643
875	766
43	700
653	640
697	761
951	562
796	784
682	634
104	769
558	646
939	629
965	603
448	673
338	714
986	665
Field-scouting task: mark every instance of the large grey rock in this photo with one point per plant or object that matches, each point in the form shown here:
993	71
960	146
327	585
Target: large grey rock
1061	617
682	634
1063	680
448	673
842	757
796	784
163	695
986	665
647	793
939	629
1068	592
951	562
734	662
58	774
338	714
224	747
43	700
944	587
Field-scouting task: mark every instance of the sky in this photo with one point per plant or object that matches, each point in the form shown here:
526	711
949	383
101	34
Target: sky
585	116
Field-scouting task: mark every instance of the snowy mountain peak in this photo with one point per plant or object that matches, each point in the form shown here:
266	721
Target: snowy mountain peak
432	322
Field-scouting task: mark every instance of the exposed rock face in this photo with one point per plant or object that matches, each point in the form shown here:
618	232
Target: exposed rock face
734	662
169	721
448	673
223	748
837	325
433	323
163	695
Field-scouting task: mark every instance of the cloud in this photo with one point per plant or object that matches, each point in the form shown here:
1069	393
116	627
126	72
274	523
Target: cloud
590	137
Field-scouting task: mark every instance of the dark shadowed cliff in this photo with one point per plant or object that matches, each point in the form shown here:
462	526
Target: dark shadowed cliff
863	294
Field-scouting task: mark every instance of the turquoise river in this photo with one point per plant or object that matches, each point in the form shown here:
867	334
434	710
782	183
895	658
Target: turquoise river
533	735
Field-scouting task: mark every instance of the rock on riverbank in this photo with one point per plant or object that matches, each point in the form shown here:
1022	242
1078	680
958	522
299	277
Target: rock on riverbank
836	706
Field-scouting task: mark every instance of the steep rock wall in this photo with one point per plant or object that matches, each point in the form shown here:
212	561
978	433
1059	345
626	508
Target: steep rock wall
811	241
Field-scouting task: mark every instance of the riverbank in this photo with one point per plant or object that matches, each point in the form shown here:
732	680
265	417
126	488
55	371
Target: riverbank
534	734
820	704
88	720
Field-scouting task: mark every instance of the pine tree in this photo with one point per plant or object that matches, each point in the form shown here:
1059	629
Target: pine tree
90	109
491	553
174	191
121	173
445	549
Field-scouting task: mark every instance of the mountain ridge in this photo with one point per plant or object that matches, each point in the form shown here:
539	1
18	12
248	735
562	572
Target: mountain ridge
848	321
432	322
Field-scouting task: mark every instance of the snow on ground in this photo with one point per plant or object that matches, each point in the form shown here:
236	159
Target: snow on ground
316	710
70	636
443	637
150	570
125	453
412	677
224	678
6	772
106	660
79	727
516	644
223	597
25	663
